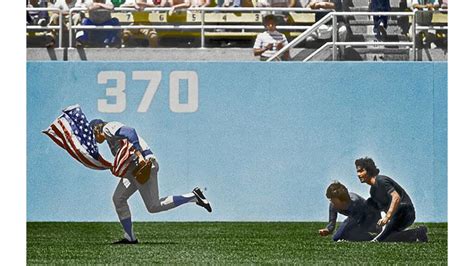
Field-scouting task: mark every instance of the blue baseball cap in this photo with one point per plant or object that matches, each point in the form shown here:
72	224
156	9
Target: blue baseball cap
93	123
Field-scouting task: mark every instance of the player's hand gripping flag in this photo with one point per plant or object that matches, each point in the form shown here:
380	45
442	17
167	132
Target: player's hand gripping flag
71	131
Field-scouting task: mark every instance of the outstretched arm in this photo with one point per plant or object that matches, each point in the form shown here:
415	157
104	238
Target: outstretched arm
332	222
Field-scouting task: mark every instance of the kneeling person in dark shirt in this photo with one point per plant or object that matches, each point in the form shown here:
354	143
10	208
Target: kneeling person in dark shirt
388	196
361	219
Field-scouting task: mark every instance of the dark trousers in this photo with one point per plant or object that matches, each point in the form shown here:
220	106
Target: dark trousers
380	20
394	231
380	6
357	230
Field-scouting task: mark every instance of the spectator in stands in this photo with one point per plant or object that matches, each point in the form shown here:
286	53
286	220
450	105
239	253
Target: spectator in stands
39	18
424	9
424	15
380	22
140	17
325	31
65	6
269	42
99	15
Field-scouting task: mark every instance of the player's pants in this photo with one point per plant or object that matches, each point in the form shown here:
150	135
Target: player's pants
148	191
394	229
354	230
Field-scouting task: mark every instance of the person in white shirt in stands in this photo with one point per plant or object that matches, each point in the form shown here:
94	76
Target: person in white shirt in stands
65	6
270	41
99	14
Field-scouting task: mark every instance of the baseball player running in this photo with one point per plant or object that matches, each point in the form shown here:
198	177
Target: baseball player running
142	175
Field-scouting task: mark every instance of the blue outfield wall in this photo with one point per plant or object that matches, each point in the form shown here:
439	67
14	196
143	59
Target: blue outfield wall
265	139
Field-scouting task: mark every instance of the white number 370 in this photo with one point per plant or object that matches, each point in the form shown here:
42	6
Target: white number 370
119	104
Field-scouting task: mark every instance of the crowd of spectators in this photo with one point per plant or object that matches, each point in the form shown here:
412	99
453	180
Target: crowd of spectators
99	13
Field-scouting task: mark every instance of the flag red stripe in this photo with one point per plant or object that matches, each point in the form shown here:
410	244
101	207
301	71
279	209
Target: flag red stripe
126	169
60	132
66	136
117	158
123	159
83	159
129	151
104	162
99	163
55	138
66	147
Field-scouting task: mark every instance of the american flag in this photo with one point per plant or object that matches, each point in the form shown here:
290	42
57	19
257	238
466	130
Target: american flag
123	158
71	131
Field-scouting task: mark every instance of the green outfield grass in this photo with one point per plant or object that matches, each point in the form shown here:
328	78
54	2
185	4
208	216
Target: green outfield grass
219	243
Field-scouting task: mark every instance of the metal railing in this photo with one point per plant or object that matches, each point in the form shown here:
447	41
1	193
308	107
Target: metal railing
202	27
335	43
48	27
308	30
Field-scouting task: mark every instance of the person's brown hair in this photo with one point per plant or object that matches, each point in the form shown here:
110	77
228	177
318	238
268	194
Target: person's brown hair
337	190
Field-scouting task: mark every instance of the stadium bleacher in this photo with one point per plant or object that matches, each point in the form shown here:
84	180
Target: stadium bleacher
241	40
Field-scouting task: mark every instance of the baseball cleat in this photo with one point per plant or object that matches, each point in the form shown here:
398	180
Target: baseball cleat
201	199
125	242
421	234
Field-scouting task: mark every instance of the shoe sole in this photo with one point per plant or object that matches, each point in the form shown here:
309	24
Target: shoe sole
121	242
201	199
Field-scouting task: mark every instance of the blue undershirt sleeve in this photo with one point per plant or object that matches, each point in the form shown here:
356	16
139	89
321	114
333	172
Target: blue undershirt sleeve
332	218
130	134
